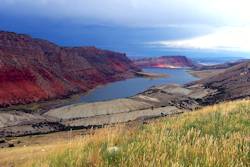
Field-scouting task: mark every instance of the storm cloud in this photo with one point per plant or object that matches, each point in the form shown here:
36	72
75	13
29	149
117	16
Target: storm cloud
133	26
140	13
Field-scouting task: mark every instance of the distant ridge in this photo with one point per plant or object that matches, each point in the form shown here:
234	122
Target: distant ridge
165	62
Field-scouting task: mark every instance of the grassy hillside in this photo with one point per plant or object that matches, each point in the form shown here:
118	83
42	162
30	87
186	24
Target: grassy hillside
213	136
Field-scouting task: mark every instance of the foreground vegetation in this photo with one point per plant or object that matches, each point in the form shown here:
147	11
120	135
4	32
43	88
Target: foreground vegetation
213	136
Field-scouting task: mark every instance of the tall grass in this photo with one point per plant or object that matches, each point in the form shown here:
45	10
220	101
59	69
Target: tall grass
214	136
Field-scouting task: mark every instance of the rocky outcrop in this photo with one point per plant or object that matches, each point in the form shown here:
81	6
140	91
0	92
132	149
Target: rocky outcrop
164	62
32	70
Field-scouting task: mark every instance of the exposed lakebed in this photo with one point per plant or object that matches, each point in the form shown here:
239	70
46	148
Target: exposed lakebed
130	87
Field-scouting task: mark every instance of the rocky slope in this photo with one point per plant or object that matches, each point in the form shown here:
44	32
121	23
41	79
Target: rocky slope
165	62
233	83
32	70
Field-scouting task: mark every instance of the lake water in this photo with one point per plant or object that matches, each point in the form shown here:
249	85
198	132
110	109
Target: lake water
133	86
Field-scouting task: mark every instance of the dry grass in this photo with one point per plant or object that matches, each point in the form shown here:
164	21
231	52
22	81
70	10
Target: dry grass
214	136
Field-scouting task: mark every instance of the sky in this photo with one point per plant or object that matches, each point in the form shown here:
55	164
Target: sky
137	27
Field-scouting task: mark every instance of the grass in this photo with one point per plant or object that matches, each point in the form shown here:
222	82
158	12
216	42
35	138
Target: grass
213	136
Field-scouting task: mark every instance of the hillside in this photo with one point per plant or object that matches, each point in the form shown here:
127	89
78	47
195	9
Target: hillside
233	83
213	136
164	62
33	70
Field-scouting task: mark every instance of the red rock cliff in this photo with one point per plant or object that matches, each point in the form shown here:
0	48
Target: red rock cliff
32	69
164	62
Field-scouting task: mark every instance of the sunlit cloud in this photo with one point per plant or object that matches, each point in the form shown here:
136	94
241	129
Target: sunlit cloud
225	39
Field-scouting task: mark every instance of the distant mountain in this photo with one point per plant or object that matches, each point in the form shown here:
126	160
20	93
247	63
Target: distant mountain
33	69
165	62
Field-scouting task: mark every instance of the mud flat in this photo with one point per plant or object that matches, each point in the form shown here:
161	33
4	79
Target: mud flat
155	102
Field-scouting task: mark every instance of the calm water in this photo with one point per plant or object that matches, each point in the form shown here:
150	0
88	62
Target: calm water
133	86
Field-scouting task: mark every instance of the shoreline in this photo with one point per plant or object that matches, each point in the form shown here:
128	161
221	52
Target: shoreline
70	113
45	105
74	98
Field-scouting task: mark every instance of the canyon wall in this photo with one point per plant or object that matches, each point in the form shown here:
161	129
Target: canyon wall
32	70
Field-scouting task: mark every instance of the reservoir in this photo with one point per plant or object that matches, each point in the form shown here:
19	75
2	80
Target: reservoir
130	87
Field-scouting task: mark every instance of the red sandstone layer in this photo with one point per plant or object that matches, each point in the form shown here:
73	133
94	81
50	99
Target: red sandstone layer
32	70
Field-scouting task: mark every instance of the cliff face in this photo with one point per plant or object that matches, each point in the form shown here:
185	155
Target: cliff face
165	62
32	69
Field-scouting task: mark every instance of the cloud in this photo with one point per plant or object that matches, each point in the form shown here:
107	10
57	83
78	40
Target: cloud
188	15
134	12
223	39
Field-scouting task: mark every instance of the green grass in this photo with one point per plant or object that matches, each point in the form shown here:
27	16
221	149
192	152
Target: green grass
215	136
